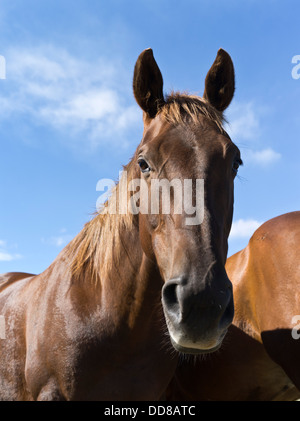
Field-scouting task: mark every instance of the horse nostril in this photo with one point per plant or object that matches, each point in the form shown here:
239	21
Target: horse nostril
170	297
169	293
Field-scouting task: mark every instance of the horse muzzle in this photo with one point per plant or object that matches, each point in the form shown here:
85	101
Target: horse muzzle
197	319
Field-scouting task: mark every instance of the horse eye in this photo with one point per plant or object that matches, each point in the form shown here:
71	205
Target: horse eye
236	164
143	165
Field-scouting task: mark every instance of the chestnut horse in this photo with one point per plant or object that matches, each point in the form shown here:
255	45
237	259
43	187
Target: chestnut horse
259	359
93	325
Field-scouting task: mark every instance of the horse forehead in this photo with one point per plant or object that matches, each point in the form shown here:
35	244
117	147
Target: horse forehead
199	140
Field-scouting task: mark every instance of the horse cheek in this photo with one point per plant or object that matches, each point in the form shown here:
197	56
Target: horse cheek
145	232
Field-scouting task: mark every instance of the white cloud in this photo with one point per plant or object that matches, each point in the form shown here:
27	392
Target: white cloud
243	122
70	95
245	129
58	241
6	256
36	66
263	157
244	228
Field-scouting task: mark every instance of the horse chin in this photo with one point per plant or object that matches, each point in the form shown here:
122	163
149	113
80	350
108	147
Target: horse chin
196	349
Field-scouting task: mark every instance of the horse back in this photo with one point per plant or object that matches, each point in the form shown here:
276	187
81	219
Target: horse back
9	278
266	283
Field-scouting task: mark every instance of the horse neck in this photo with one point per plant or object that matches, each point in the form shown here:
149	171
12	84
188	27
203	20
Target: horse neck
240	272
131	285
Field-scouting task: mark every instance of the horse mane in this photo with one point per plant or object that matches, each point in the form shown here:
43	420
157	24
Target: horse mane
99	240
180	108
98	245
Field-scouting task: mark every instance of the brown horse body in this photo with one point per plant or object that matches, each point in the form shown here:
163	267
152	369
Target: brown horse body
259	359
93	325
59	345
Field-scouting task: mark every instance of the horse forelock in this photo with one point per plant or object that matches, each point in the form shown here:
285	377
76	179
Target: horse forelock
180	108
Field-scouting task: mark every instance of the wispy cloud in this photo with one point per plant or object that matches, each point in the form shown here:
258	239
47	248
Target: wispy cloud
245	130
264	157
243	122
60	240
5	255
70	95
244	228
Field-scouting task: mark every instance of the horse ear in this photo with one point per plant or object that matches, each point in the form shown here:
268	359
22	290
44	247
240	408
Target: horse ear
148	83
220	81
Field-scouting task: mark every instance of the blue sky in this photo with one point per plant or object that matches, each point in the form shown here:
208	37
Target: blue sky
68	117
